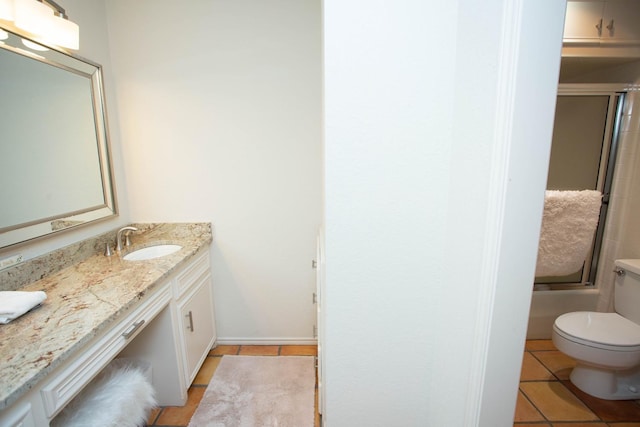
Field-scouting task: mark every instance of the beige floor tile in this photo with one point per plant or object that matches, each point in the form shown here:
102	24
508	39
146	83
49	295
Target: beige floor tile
180	415
259	350
557	362
298	350
556	402
153	415
608	410
208	368
579	425
533	370
221	350
525	411
539	345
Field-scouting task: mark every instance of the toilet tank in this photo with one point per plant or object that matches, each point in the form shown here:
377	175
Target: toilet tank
627	289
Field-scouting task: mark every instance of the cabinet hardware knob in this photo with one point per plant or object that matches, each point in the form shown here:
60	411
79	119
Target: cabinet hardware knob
190	316
135	327
599	27
611	28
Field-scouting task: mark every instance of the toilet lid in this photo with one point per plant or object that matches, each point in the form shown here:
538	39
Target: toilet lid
603	328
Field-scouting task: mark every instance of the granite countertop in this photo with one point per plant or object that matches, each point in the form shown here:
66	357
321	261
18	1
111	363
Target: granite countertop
83	299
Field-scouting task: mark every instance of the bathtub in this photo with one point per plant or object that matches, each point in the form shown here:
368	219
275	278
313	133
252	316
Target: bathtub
546	306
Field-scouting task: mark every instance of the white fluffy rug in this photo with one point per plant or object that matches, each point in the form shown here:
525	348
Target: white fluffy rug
259	391
568	225
120	396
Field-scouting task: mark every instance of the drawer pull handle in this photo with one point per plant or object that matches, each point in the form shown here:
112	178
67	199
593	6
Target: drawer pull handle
135	327
190	316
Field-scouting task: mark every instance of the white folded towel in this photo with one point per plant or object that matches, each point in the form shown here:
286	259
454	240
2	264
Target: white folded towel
16	303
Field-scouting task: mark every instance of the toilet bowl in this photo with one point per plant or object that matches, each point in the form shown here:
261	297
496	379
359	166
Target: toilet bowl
606	346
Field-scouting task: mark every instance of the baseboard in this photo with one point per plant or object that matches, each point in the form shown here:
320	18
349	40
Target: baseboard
266	341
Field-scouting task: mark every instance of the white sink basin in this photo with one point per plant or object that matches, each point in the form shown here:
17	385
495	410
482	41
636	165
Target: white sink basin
151	252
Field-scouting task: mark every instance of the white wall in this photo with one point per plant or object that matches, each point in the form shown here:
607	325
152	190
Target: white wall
438	122
94	45
220	111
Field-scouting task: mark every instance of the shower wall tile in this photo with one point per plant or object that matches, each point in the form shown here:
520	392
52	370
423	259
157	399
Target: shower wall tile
634	123
604	278
625	123
622	232
628	107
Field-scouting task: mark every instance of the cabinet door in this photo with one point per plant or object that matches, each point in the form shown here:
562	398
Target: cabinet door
583	20
198	330
18	416
622	20
320	287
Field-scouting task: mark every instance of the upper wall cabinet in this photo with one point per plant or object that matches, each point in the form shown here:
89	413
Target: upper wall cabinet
605	23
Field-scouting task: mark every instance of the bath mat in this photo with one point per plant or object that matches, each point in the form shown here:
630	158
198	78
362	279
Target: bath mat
569	223
265	391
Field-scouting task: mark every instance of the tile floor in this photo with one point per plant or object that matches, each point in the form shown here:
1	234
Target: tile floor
179	416
547	397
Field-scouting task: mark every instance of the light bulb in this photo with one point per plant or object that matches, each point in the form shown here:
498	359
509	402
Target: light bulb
63	32
34	45
32	16
6	10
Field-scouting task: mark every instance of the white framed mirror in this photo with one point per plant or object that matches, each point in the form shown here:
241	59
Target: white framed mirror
55	163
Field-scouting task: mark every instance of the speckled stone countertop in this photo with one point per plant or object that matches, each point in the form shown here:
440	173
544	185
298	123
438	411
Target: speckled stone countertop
83	299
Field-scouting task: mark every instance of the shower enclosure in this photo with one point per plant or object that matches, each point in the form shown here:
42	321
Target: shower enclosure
583	152
585	141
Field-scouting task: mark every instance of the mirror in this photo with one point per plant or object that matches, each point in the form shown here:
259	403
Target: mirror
55	165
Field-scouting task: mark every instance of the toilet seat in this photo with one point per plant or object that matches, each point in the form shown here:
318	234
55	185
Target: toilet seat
608	331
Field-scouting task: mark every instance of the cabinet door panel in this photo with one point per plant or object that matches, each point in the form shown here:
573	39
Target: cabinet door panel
622	20
197	327
582	20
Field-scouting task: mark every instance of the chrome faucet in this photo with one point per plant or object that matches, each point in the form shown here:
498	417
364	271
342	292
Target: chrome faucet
124	231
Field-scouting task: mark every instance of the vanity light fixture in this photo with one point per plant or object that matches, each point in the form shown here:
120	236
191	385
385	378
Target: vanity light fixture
45	19
6	10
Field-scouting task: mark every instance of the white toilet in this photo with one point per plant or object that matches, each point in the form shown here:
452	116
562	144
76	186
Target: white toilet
606	346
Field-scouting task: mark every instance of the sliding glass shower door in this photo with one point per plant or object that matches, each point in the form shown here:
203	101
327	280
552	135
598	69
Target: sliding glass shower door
582	158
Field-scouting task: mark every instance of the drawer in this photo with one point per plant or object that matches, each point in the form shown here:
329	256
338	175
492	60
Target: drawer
198	267
71	378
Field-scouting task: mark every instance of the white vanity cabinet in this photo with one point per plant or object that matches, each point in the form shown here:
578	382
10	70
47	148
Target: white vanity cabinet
18	416
320	291
196	321
172	328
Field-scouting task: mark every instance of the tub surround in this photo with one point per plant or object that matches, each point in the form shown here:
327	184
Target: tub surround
86	292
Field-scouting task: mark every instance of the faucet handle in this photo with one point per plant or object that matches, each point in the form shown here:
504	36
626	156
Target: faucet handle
107	250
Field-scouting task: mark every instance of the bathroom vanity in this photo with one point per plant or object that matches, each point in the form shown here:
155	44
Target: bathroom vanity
158	310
